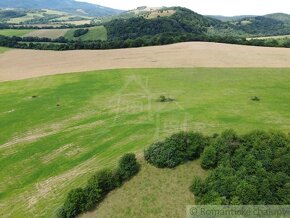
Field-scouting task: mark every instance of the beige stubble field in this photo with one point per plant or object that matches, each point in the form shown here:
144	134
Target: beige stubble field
21	64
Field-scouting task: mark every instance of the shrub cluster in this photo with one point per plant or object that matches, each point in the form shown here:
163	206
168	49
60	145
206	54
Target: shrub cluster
162	98
80	200
80	32
246	169
176	149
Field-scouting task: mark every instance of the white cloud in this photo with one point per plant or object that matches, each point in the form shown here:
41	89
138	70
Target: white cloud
214	7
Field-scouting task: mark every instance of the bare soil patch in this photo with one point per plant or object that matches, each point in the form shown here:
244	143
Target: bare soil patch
21	64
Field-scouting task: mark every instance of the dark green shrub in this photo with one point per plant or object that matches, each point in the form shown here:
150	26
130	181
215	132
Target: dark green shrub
197	187
105	180
255	98
160	155
93	194
128	167
209	157
162	98
75	203
176	149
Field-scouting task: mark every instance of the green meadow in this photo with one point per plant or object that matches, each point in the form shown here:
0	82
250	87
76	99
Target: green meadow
57	130
14	32
94	33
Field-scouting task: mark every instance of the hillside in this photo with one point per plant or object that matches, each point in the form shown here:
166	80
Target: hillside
228	18
263	25
279	16
83	122
149	22
70	6
181	20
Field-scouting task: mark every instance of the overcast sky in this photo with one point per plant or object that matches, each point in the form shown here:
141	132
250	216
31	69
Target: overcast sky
207	7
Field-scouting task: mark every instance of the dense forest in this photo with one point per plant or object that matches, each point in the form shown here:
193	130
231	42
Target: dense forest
249	169
263	26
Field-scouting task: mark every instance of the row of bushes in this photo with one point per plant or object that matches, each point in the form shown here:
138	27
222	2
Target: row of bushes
80	200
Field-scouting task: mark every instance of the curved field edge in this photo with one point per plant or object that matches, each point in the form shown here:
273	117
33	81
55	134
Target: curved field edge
60	129
3	49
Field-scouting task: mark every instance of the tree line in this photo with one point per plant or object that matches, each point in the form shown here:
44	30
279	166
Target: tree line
159	39
81	200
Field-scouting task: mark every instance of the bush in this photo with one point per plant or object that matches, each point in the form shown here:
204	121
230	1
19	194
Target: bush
128	167
75	203
105	180
93	196
175	150
197	187
161	156
209	159
162	98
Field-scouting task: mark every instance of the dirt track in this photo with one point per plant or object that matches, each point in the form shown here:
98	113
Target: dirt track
21	64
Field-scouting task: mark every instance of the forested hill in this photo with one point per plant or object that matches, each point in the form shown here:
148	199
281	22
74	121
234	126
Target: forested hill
181	20
264	25
70	6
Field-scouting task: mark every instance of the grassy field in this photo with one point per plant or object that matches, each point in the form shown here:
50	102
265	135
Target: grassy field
144	197
3	49
78	123
36	14
157	13
95	33
15	32
48	33
27	17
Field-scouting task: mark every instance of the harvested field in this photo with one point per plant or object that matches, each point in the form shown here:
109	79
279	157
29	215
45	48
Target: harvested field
21	64
48	33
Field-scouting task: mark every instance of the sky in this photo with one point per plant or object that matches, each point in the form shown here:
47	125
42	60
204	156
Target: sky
206	7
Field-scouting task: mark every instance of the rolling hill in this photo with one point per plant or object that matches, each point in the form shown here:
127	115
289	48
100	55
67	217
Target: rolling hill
70	6
102	115
177	20
279	16
263	25
181	20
